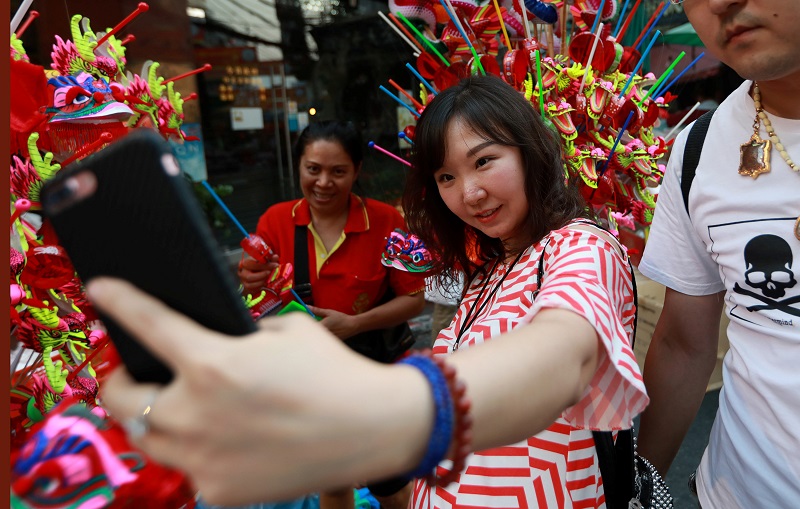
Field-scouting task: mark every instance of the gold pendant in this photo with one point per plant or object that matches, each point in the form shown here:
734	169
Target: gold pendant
797	228
754	156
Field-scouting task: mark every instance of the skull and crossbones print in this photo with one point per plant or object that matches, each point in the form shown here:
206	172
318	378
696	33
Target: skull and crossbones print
768	261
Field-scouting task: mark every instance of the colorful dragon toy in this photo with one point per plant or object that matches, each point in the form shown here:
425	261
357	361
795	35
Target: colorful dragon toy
589	90
66	452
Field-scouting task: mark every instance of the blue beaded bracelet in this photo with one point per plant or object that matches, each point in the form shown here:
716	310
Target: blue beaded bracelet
444	418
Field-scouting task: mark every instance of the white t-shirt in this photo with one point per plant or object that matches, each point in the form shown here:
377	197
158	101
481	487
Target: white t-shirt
740	239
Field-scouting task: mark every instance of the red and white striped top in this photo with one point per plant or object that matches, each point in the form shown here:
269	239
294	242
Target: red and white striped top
558	467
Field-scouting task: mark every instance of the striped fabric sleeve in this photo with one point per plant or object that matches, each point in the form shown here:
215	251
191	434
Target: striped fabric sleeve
585	273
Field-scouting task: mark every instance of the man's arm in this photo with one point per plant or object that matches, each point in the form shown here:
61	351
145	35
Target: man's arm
679	363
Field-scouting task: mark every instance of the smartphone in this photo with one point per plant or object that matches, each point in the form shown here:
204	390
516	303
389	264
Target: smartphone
128	212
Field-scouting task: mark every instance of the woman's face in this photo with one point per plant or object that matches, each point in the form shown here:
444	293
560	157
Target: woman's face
327	175
483	183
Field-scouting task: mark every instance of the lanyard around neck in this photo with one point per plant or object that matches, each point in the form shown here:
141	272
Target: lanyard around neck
478	306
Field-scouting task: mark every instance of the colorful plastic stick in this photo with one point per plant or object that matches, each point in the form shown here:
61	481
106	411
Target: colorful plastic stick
400	101
299	300
541	85
664	91
88	149
206	67
17	19
591	56
225	208
448	7
679	124
414	45
409	96
21	206
599	15
403	29
423	38
403	136
666	73
502	24
32	16
381	149
627	23
619	21
421	79
614	146
142	7
651	24
638	65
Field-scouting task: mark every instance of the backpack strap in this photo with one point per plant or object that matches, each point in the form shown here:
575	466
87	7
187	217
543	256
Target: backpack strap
302	281
691	153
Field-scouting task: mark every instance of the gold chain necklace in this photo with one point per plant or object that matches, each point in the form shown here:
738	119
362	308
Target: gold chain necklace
755	153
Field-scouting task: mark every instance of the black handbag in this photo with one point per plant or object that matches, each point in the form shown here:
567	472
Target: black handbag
629	480
382	345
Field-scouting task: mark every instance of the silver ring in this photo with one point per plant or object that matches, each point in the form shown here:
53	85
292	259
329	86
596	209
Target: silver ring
138	425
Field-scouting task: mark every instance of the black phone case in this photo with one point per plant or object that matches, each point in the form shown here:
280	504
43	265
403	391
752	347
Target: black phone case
146	226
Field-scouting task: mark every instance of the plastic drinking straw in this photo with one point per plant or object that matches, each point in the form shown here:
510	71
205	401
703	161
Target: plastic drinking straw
651	24
619	35
381	149
663	76
403	136
619	21
421	79
599	15
541	85
679	124
400	101
140	8
424	39
664	91
502	24
591	56
414	47
638	65
302	303
409	96
17	19
448	7
225	208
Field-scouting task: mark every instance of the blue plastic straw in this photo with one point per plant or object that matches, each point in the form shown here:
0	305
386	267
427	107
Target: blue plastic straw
225	208
653	25
664	90
299	300
406	106
419	76
638	65
599	15
616	142
619	21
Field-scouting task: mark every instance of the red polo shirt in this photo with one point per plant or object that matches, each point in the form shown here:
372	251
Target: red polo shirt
351	279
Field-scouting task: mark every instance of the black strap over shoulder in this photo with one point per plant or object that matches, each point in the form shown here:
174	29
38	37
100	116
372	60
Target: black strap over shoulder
302	281
691	153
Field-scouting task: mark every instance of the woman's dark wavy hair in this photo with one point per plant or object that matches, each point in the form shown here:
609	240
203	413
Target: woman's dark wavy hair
344	133
497	112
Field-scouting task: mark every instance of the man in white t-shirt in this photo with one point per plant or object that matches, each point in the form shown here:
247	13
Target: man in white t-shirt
738	245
